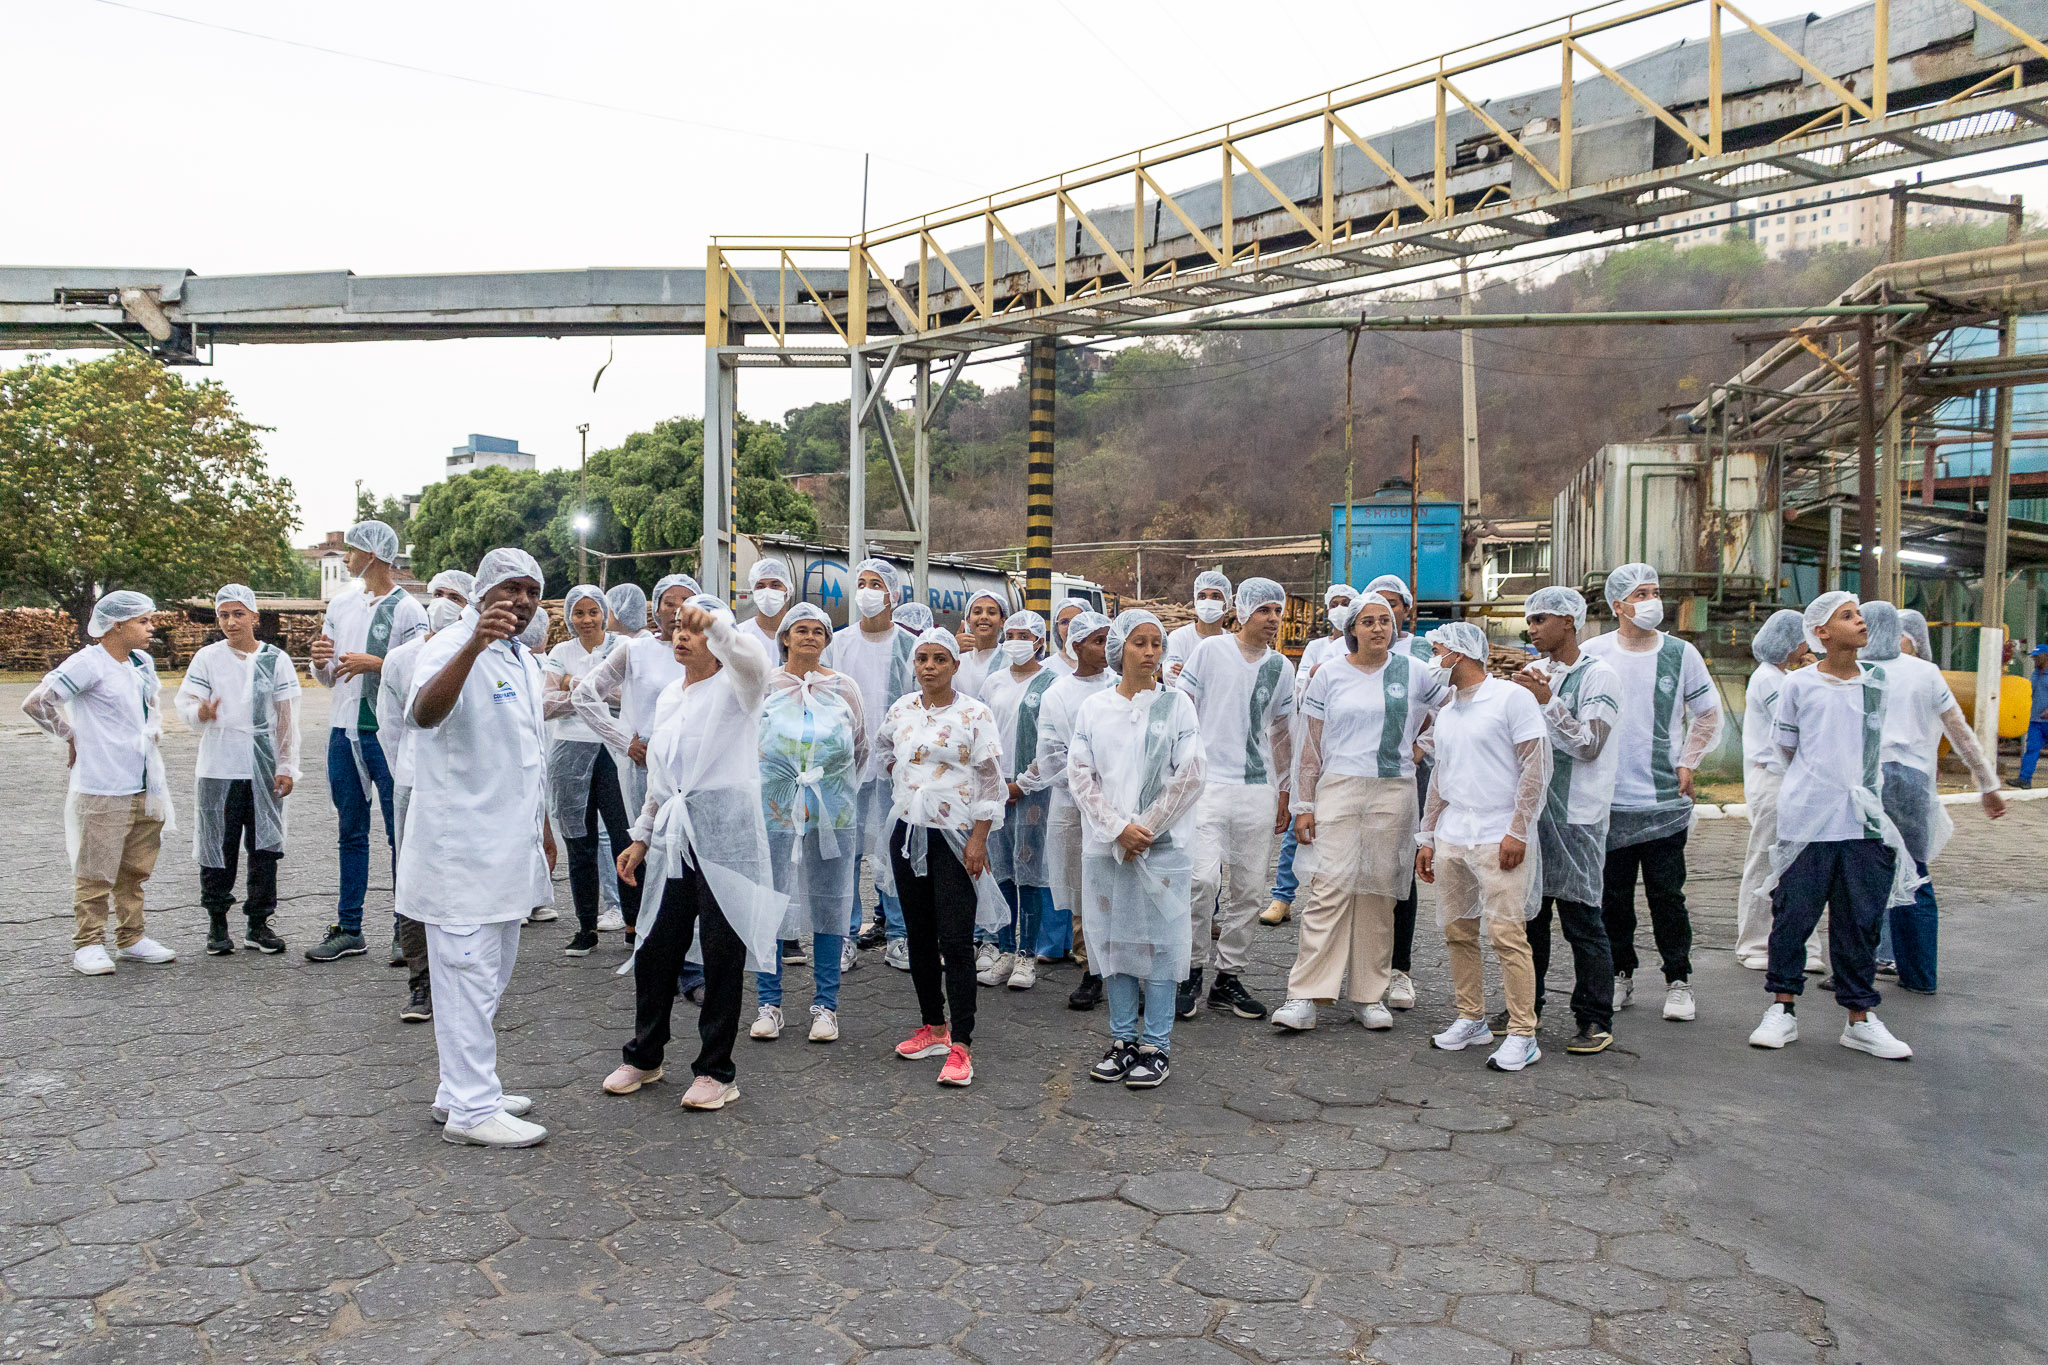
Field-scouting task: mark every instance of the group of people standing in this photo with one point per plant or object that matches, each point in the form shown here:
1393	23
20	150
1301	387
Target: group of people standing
716	787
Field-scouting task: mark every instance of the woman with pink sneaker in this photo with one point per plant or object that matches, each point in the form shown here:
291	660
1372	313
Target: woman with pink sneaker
943	756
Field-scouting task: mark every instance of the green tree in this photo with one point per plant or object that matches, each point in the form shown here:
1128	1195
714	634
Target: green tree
116	473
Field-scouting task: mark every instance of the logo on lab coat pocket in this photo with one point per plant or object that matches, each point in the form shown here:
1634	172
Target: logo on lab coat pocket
503	693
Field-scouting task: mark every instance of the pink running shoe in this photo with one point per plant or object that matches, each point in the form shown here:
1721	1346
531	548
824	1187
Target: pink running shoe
926	1042
707	1093
959	1067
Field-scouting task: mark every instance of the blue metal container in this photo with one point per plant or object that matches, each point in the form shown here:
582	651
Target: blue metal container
1379	543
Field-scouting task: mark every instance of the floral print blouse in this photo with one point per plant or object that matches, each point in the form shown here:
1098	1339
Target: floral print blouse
944	763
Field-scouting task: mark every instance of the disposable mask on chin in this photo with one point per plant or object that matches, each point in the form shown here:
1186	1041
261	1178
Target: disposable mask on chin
869	602
1208	612
770	601
1649	615
1017	652
442	613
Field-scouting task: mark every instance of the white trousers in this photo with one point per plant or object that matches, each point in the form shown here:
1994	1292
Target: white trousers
1233	848
470	966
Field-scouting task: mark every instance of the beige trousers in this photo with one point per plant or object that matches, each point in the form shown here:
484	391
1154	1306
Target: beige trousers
1362	824
113	833
1473	887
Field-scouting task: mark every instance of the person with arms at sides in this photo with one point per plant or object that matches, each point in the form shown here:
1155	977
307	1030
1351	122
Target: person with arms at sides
1353	801
1087	658
477	855
1837	848
1212	604
1779	647
980	652
1337	599
1016	693
1243	691
1577	695
814	747
583	780
1920	711
1479	841
1401	993
362	626
2037	716
942	756
103	703
768	588
1060	660
700	849
1670	721
242	697
1135	767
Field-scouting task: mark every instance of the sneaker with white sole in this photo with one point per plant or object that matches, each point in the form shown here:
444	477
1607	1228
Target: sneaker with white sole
1678	1002
1870	1035
610	921
1462	1034
515	1105
1515	1052
897	954
147	950
543	914
92	960
1779	1027
998	970
767	1024
985	953
626	1078
499	1130
1401	992
1296	1016
707	1093
824	1024
849	956
1024	975
1375	1016
1755	964
1624	990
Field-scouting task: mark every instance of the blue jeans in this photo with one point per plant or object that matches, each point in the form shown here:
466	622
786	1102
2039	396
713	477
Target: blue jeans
2037	737
1284	884
1122	992
345	785
889	910
608	869
1912	934
1055	932
825	953
1028	906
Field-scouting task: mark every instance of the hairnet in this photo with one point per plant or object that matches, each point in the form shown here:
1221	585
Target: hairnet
802	611
1883	620
1557	601
1080	628
504	563
891	576
1778	637
1914	625
979	593
535	635
1392	583
1254	593
1120	631
765	569
668	581
1337	590
629	604
914	617
936	636
1212	578
374	536
116	607
455	580
1462	637
575	595
1627	579
1817	613
704	601
235	592
1356	610
1025	620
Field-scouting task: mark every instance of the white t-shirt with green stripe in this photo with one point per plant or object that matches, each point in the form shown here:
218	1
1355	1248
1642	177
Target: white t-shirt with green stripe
1661	689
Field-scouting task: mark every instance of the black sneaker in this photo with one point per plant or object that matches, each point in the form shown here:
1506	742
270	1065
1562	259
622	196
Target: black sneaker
1229	994
1115	1063
1087	995
1149	1072
420	1008
872	937
581	944
262	938
1187	1001
1888	969
1499	1024
219	943
1589	1040
793	954
397	949
338	943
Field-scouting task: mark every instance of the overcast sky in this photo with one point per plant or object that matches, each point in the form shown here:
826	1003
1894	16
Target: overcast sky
138	139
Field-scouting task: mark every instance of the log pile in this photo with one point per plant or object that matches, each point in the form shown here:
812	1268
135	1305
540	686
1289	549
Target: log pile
35	639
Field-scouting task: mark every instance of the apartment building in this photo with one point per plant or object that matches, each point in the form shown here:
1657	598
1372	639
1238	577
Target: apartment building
1826	215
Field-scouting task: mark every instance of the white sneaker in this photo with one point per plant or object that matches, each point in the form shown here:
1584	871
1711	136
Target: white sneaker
147	950
1024	975
897	954
1401	992
1873	1037
611	920
767	1024
1816	963
543	914
1375	1016
499	1130
1624	991
998	969
985	954
1780	1026
849	956
1678	1002
515	1105
1514	1053
1755	964
1463	1034
1296	1016
92	960
824	1024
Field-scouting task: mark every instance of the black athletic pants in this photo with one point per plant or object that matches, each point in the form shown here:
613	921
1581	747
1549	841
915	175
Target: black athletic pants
688	906
938	922
1404	909
1592	960
603	804
217	884
1663	867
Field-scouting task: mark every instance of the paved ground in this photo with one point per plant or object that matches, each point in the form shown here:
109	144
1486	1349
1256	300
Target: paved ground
232	1160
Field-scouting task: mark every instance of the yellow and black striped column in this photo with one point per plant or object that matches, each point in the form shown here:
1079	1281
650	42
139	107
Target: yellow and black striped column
1038	483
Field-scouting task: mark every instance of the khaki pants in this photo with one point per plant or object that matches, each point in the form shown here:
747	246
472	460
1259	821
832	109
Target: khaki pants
1362	824
1233	849
1470	879
113	834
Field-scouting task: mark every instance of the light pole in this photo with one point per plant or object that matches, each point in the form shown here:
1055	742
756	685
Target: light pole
583	504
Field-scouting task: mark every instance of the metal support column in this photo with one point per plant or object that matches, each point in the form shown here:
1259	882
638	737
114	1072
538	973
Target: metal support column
856	469
1831	574
1038	474
721	399
1469	384
1891	580
921	481
1991	633
1867	580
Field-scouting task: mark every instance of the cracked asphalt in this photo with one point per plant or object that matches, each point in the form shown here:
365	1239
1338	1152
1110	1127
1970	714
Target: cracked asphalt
232	1160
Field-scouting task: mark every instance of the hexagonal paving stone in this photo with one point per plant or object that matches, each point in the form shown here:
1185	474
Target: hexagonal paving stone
1017	1289
127	1223
778	1343
885	1234
315	1263
449	1237
871	1156
1178	1192
424	1342
1522	1321
1747	1306
1029	1340
875	1198
1254	1278
774	1177
1153	1310
781	1297
1671	1257
1436	1346
415	1289
545	1263
1462	1269
1210	1234
577	1219
74	1272
1280	1332
527	1314
956	1175
655	1244
1095	1220
995	1245
347	1216
549	1349
1603	1288
1670	1339
630	1329
774	1220
1413	1226
182	1294
880	1321
1375	1299
1262	1172
1291	1209
137	1346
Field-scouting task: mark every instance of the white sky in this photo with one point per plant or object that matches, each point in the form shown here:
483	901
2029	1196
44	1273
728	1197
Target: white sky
141	140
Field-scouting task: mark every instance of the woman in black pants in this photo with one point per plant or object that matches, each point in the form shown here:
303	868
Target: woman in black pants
943	756
583	782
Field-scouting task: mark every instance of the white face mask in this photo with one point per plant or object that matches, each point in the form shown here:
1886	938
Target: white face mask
1648	615
442	613
1208	611
1019	651
869	602
770	601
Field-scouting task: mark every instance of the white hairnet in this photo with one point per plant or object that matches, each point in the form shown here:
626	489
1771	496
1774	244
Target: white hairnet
1817	613
235	592
1080	628
891	576
577	594
629	604
1627	579
1914	626
1462	637
456	581
116	607
765	569
1356	610
374	536
1212	578
936	636
1254	593
803	611
1026	620
1556	601
1883	620
979	593
1120	631
1337	590
674	580
914	617
501	564
1392	583
1776	638
535	635
704	601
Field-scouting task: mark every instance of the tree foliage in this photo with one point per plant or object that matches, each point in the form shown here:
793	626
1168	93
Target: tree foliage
116	473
